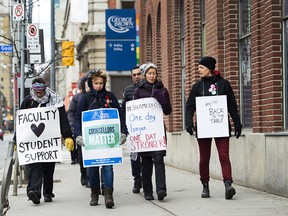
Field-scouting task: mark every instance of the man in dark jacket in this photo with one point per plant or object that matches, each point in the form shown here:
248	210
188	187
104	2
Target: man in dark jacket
71	117
128	95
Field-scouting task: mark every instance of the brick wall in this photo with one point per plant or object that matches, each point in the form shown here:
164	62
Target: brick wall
160	43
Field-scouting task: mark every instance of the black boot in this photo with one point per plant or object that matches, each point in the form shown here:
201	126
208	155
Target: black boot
94	196
108	194
229	190
206	192
137	187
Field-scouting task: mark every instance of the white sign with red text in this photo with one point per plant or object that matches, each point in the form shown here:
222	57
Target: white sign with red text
144	120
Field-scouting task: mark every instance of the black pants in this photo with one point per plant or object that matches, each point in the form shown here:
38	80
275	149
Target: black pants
147	171
39	172
136	169
80	161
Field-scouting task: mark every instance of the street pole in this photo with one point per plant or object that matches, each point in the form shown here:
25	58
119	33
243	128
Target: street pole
22	87
52	67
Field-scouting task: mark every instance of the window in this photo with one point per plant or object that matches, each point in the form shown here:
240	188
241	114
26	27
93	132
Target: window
245	63
127	4
285	61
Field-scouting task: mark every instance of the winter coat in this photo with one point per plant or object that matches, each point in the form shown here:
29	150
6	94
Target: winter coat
95	100
128	95
65	128
73	108
201	88
160	93
156	90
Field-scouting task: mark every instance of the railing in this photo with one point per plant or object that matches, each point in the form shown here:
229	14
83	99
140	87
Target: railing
11	159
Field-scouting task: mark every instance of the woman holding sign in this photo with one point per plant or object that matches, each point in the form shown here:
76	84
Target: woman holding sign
42	96
212	84
98	97
151	87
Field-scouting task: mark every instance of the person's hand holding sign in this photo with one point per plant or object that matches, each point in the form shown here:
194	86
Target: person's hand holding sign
123	138
79	141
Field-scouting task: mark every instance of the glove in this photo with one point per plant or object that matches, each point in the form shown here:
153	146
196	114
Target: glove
159	96
123	138
190	130
238	130
79	140
69	143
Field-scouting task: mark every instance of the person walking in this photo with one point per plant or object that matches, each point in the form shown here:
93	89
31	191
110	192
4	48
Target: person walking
82	86
42	96
212	84
150	86
128	95
98	97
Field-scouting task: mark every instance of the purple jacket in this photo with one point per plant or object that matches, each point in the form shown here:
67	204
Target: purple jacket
156	90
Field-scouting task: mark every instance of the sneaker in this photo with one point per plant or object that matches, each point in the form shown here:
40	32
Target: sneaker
161	194
34	197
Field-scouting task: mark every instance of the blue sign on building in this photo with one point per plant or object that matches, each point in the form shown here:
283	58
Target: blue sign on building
6	48
121	24
120	55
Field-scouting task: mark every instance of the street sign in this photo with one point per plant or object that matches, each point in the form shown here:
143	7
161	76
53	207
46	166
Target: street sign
120	24
6	48
18	12
32	36
120	55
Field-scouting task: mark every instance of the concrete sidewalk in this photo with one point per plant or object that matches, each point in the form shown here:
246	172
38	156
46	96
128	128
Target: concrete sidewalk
183	198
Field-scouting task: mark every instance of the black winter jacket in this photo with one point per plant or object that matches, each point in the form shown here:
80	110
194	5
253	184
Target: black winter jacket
73	108
201	88
95	100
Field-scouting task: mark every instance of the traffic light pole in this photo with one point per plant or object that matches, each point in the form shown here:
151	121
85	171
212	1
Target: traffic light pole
52	66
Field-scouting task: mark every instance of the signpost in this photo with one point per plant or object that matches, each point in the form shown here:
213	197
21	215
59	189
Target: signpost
120	55
6	48
18	12
32	36
120	39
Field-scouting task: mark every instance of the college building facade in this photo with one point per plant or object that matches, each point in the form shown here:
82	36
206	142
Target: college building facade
249	41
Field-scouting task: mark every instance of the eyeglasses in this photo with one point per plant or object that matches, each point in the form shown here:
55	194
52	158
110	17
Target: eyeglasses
136	74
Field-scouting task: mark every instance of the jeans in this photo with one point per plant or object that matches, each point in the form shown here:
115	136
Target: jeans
107	176
222	145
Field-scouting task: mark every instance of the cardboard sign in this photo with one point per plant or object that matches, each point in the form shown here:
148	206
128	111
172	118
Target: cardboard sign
38	135
102	136
212	116
144	120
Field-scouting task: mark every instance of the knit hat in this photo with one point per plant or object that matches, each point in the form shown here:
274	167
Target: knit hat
208	62
145	67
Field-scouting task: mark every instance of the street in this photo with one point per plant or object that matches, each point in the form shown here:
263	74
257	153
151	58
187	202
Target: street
3	149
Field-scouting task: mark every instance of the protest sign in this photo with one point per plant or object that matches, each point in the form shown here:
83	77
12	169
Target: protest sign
101	136
38	135
212	116
144	120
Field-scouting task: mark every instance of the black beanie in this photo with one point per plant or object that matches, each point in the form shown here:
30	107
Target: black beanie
208	62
